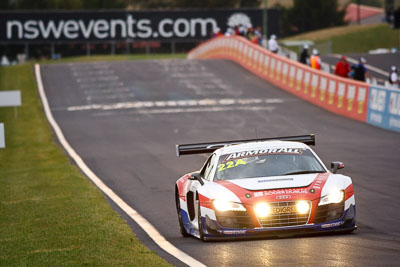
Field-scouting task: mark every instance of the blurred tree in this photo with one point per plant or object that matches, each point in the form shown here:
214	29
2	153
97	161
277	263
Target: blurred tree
375	3
200	3
131	4
310	15
61	4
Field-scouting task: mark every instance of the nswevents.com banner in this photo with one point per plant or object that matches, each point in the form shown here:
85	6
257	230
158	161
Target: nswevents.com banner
122	25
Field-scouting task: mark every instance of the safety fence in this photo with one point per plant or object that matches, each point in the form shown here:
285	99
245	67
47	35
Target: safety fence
342	96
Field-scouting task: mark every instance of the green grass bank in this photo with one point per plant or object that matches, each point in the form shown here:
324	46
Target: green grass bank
50	213
354	38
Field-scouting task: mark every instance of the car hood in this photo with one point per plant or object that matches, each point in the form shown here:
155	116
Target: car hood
275	182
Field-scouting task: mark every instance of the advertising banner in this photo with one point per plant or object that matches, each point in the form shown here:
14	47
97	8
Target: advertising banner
384	108
163	25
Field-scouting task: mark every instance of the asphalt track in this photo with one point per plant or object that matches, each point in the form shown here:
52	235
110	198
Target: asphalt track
131	147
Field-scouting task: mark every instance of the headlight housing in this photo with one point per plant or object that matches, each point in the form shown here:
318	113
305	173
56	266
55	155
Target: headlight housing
262	209
335	196
225	205
302	206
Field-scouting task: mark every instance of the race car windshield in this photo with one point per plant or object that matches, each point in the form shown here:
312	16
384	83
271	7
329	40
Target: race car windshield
267	162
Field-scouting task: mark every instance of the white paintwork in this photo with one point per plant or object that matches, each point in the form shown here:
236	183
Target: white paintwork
275	182
335	181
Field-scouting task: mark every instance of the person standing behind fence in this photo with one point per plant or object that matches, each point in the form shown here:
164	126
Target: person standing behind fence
315	60
258	32
394	78
360	72
342	68
273	44
304	56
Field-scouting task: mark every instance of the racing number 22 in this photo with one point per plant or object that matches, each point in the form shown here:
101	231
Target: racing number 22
230	164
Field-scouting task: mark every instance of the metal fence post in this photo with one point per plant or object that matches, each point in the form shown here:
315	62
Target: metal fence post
87	49
173	47
113	48
27	50
52	50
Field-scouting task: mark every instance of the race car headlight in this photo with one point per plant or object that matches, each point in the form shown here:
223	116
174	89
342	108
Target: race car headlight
303	206
224	205
335	196
262	209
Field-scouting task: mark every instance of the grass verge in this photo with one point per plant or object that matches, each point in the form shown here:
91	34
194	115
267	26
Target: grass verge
50	214
354	38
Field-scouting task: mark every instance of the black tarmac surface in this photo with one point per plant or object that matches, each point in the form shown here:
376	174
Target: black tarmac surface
131	147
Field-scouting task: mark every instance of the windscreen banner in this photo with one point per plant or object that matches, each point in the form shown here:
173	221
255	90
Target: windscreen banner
54	26
384	108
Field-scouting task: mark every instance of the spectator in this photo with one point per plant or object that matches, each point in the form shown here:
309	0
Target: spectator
258	32
394	78
315	60
342	68
360	72
237	32
273	44
230	32
251	36
304	56
242	30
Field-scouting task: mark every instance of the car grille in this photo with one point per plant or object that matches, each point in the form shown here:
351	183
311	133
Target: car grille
329	212
234	219
286	219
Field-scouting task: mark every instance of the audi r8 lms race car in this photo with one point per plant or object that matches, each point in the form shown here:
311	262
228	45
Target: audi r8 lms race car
263	187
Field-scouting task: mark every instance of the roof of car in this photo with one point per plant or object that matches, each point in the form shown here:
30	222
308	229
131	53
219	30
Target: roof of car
260	145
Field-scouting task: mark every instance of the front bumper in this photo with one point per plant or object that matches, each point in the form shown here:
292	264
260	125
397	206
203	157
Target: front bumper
346	223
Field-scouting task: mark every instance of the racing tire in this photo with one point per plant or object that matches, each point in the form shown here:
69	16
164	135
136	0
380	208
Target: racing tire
181	227
200	224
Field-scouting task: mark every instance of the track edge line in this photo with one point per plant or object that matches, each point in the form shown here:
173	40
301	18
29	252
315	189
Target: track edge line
150	230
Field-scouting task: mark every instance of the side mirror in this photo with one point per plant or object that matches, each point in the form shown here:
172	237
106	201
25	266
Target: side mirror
336	165
196	176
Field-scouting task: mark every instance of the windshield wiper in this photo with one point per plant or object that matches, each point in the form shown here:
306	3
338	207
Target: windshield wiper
303	172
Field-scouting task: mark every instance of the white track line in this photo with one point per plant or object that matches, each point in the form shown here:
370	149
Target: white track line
141	221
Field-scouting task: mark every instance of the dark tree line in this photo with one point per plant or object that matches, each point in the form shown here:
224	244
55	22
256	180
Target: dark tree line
124	4
310	15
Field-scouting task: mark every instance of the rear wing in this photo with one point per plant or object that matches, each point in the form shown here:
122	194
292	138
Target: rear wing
201	148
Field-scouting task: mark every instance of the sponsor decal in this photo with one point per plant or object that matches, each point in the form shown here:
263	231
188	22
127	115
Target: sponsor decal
258	194
329	225
318	182
234	232
284	197
384	108
377	100
283	210
281	192
230	164
275	180
263	152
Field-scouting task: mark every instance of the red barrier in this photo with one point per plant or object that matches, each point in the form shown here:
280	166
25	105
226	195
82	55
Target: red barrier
339	95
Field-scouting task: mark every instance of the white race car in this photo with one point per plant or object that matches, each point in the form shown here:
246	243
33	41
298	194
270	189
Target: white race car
264	187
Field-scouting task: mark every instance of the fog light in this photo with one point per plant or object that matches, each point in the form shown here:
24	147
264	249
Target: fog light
302	207
262	210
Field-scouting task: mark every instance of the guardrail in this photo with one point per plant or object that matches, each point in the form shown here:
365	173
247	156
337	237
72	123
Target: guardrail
339	95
